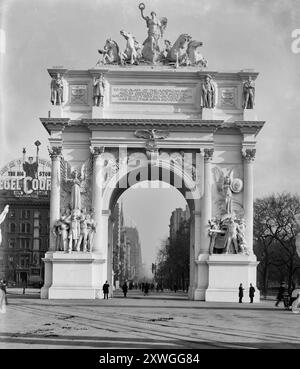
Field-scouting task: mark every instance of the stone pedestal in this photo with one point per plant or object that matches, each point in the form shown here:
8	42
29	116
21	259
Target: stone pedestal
250	115
226	272
202	277
72	275
56	111
97	112
207	114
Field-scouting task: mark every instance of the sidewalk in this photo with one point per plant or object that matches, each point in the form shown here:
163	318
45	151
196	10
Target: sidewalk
160	320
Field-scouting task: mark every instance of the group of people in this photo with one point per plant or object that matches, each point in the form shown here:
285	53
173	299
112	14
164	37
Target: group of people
251	293
74	231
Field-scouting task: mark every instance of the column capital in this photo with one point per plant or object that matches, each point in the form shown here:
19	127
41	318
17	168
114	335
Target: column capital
248	155
97	150
55	152
208	154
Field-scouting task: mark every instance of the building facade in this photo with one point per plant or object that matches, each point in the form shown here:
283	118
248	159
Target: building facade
25	231
127	254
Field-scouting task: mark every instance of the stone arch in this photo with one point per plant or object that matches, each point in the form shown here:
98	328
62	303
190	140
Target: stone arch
189	190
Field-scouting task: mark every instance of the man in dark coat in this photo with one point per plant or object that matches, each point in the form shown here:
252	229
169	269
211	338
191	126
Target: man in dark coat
241	293
105	289
280	294
125	289
251	293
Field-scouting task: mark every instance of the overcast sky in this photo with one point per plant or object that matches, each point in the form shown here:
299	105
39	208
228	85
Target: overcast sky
237	34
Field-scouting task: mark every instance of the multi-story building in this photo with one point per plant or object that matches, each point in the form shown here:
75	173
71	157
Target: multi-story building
127	255
25	187
177	218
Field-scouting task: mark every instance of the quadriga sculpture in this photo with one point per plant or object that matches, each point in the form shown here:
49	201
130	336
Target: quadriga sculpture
130	54
110	53
177	52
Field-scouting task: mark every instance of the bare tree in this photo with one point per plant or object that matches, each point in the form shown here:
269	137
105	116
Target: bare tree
275	230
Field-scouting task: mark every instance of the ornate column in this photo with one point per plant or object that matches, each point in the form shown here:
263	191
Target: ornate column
248	156
206	203
97	195
55	154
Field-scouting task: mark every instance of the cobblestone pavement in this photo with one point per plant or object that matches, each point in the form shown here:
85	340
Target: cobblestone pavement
160	320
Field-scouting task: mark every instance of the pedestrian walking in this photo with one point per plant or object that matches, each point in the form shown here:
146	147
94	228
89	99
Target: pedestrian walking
105	289
146	289
3	297
241	293
251	293
280	294
175	288
125	289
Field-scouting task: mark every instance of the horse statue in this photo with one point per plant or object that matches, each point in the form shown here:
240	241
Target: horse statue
177	53
130	52
110	53
193	55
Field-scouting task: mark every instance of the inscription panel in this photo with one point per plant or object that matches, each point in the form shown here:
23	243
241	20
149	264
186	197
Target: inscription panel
228	97
78	94
152	94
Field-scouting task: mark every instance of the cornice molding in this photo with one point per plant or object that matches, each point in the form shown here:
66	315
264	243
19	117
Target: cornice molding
55	124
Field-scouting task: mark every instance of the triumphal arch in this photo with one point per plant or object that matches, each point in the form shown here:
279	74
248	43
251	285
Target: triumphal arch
154	111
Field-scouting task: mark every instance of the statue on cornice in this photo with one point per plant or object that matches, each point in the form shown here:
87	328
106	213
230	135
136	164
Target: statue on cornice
249	93
57	90
131	53
208	93
110	53
98	90
156	27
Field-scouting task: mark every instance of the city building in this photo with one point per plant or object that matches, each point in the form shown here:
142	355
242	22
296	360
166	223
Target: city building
127	255
25	187
178	216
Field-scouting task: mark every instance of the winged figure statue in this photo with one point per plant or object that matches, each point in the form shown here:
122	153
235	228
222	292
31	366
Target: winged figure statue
227	185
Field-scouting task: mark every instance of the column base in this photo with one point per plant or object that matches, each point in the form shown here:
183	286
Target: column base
76	275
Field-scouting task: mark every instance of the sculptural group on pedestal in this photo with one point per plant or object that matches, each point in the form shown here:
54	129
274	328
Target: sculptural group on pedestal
74	230
227	236
155	49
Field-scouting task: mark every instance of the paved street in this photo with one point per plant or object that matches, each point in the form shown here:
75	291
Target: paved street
160	320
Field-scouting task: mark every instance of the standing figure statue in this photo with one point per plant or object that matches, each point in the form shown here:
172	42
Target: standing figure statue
241	228
231	236
83	237
61	229
249	93
74	231
228	194
2	218
98	90
57	89
91	227
208	93
151	51
75	191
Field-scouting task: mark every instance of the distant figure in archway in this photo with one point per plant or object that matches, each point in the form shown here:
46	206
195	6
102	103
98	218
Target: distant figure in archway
105	289
125	289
